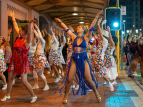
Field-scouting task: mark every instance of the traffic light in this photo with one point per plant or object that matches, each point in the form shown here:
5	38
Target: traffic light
113	17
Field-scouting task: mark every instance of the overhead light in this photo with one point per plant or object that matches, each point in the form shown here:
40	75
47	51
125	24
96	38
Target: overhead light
133	25
81	22
135	35
140	29
124	20
75	14
127	31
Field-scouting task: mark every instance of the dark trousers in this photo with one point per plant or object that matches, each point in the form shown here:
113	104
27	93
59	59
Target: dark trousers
127	59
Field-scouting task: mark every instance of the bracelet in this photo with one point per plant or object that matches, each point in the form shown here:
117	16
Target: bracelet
92	28
74	33
8	34
67	30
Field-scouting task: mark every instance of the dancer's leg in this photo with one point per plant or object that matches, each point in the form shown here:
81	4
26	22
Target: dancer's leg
46	87
54	68
3	78
61	68
71	75
11	76
90	81
35	76
26	84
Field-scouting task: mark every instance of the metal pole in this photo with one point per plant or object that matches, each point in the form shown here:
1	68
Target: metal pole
118	47
118	53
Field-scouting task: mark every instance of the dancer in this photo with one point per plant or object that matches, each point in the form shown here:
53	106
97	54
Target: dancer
32	51
7	56
109	60
53	55
2	62
47	38
40	61
100	52
19	62
62	41
94	44
79	63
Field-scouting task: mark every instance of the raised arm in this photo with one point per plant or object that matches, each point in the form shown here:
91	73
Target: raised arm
93	24
29	34
38	34
110	37
64	40
103	24
69	32
8	37
100	31
14	22
56	42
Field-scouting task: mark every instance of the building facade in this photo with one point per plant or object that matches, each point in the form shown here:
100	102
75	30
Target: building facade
21	12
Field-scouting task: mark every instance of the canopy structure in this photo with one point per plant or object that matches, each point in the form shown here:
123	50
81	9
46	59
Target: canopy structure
71	12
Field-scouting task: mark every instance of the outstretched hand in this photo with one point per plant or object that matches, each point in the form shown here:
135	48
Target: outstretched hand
108	28
36	27
99	21
98	14
9	30
30	21
57	19
70	27
11	13
104	22
45	30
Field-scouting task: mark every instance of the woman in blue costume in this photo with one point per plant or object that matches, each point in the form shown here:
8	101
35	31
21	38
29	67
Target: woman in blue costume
79	64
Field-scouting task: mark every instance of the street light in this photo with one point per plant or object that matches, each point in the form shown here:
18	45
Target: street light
128	31
124	20
137	31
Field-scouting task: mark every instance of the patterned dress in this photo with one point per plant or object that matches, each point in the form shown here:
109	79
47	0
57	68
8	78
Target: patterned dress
109	60
53	55
91	59
40	62
110	63
2	62
61	58
99	56
79	55
19	61
31	54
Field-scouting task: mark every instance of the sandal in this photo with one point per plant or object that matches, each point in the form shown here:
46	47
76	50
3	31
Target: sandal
65	101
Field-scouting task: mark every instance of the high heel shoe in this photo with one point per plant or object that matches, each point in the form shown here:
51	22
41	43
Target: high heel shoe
98	97
65	101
